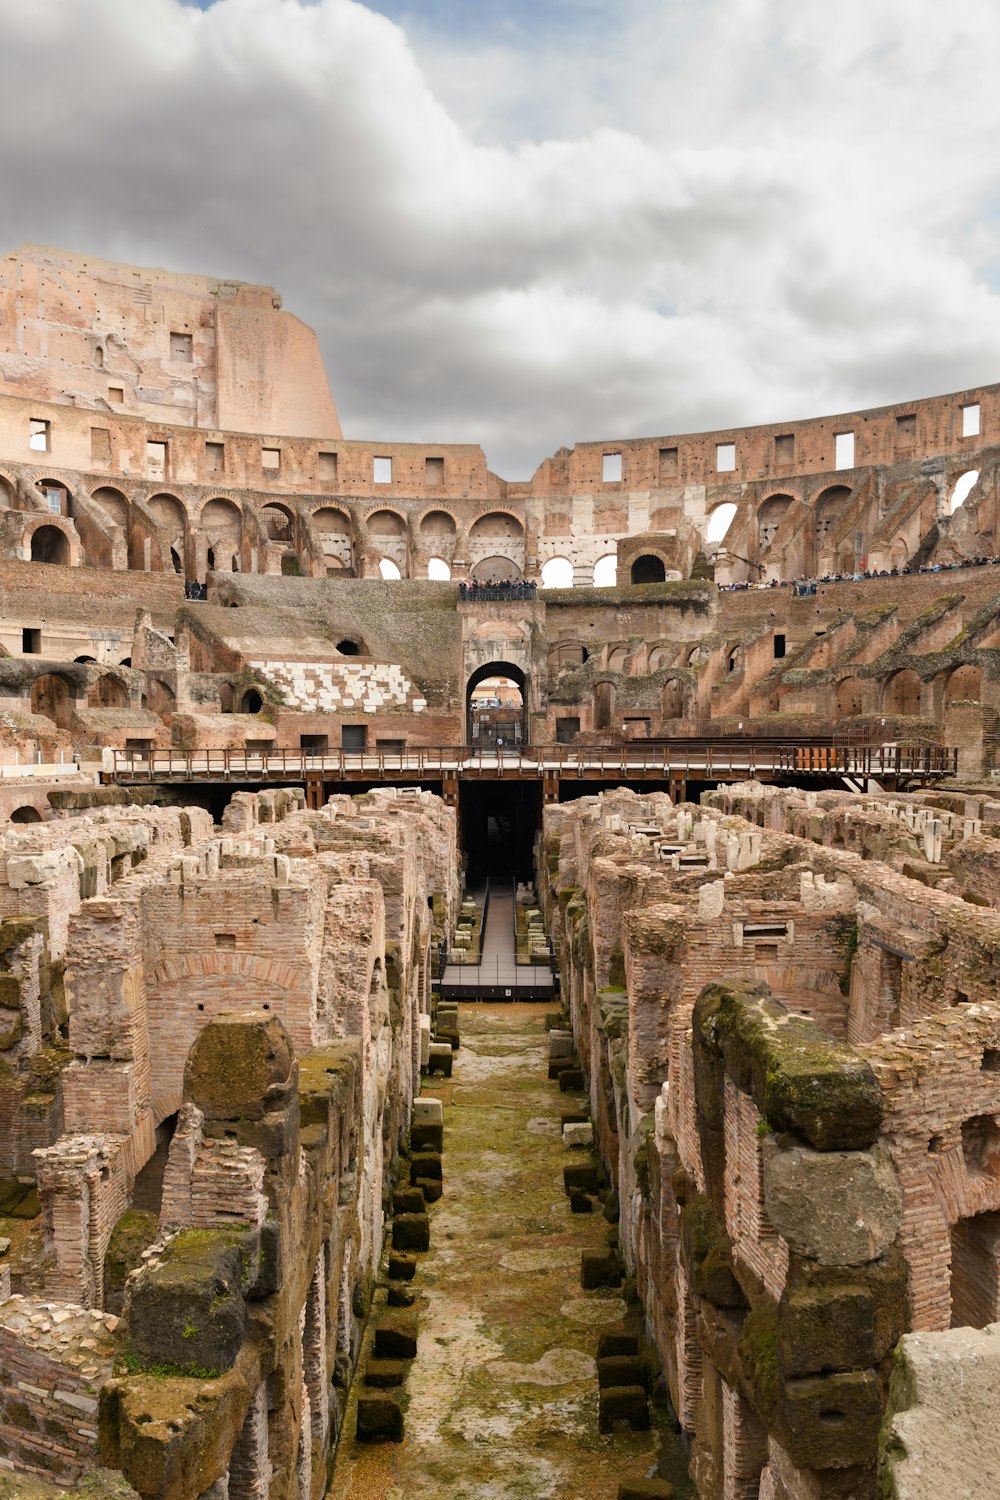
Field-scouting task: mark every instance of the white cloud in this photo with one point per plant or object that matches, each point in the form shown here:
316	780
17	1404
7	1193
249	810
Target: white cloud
688	213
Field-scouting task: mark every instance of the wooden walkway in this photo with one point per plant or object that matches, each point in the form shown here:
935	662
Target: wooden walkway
498	975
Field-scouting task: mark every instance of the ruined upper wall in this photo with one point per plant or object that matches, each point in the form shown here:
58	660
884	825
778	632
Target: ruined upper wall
191	351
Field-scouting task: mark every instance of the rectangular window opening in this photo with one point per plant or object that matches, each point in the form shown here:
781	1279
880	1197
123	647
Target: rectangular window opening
270	458
54	499
353	736
434	472
844	450
116	394
182	347
784	448
970	420
39	433
906	430
225	940
725	458
314	742
326	466
611	468
382	470
779	647
31	642
156	460
215	458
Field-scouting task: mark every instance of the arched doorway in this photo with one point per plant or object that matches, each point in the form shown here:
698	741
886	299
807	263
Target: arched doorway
495	706
26	814
49	545
496	570
648	569
52	697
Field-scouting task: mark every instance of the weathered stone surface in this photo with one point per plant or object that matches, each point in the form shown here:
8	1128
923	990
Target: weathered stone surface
580	1176
411	1232
425	1166
396	1336
645	1489
600	1268
237	1064
402	1265
841	1208
384	1373
400	1294
941	1436
186	1310
623	1369
623	1403
578	1135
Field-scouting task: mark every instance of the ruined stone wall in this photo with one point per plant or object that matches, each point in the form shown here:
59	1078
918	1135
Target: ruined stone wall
790	1202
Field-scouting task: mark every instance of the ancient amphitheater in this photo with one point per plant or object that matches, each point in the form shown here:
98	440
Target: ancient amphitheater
498	980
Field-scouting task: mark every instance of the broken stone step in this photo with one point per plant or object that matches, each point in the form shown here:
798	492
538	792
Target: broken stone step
382	1373
431	1188
411	1232
426	1164
402	1267
581	1175
396	1336
380	1420
429	1137
571	1081
400	1294
645	1489
623	1369
600	1268
623	1403
408	1200
611	1345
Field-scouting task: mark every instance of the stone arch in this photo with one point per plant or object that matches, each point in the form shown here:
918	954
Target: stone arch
718	522
496	568
617	658
389	570
52	697
496	669
438	569
278	521
114	505
26	813
56	496
769	517
901	693
160	697
899	553
660	656
604	705
648	569
849	698
436	524
672	700
964	684
7	493
496	534
252	701
830	506
557	573
496	523
50	544
334	530
107	692
606	571
385	523
169	513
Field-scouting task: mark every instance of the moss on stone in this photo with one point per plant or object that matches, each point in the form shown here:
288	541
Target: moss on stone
708	1254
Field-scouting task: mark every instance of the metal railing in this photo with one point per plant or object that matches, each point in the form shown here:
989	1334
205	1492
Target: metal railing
692	759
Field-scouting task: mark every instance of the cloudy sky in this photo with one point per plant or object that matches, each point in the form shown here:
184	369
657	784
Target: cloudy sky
530	223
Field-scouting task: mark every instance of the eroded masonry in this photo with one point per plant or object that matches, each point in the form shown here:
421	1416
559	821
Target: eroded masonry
308	741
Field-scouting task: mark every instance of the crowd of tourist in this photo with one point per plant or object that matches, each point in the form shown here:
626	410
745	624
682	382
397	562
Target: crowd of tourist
195	590
806	587
492	589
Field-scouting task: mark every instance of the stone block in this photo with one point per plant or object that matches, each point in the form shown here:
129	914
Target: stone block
571	1081
623	1369
439	1058
561	1044
237	1065
400	1294
623	1403
411	1232
580	1175
426	1165
408	1200
380	1420
841	1208
611	1345
645	1489
600	1268
431	1187
558	1066
428	1137
580	1203
578	1135
396	1335
428	1112
402	1265
424	1023
384	1373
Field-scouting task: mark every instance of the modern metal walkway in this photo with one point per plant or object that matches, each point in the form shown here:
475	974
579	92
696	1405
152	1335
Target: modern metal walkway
498	975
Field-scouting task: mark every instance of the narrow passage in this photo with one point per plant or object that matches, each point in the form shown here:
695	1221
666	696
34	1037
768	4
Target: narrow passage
501	1400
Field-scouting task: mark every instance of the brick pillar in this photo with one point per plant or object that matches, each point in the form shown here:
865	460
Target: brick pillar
250	1465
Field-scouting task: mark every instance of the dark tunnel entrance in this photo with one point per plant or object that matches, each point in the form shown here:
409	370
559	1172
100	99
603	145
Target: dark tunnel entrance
499	820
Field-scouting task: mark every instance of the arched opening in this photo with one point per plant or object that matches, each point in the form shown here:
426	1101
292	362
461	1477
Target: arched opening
975	1251
114	505
175	558
222	527
438	569
673	699
49	545
252	702
963	488
848	698
278	522
83	660
210	559
648	569
496	525
437	529
51	696
965	685
332	529
604	705
26	814
557	573
606	571
830	506
160	698
770	517
389	570
495	706
901	694
349	648
107	692
719	522
899	553
617	659
496	570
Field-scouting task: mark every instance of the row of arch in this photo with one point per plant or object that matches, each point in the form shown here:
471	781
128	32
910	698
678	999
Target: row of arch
902	693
